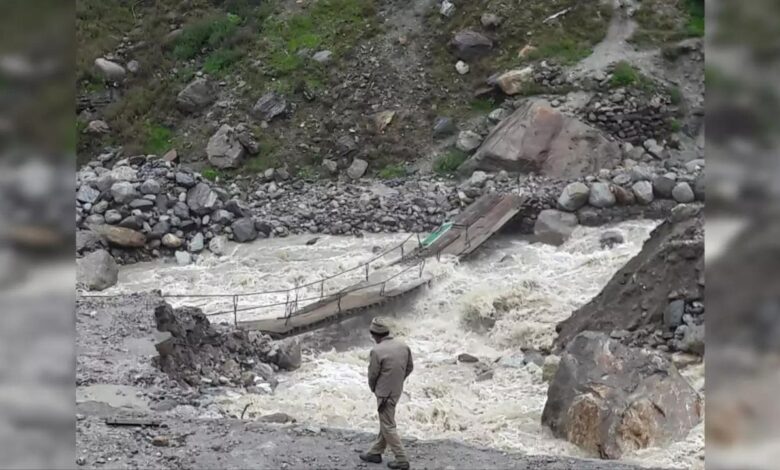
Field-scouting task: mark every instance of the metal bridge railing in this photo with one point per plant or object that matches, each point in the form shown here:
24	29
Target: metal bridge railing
293	301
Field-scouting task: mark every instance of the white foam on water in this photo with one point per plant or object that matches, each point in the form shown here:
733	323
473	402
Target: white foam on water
524	288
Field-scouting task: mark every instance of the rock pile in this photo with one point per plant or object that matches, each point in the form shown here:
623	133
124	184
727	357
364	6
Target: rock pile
631	114
195	352
657	299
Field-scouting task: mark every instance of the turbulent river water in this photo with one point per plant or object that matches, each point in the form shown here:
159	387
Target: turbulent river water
525	287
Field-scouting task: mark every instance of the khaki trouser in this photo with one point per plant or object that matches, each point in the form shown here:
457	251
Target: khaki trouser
388	435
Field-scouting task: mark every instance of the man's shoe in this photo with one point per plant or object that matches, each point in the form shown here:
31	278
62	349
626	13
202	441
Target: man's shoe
398	465
371	458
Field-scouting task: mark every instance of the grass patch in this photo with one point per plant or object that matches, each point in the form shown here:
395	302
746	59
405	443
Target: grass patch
327	24
210	174
565	50
221	59
675	96
449	162
392	171
624	75
483	105
159	139
675	125
661	22
209	32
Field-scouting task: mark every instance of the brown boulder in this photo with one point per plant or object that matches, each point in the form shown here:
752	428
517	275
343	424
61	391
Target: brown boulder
610	399
538	138
120	236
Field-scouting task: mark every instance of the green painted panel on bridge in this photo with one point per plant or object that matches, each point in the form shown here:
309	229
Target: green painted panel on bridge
430	239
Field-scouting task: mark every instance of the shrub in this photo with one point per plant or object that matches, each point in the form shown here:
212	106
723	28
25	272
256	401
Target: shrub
392	171
158	139
449	162
211	32
624	74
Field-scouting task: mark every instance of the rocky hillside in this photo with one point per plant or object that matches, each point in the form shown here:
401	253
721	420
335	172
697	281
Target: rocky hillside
386	87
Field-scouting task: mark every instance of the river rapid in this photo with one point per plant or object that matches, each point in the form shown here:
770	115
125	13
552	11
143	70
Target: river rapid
525	288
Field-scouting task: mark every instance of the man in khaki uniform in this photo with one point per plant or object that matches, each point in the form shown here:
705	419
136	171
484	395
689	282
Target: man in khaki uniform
390	364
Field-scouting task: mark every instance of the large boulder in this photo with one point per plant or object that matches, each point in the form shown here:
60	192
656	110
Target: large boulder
288	354
109	70
121	236
601	195
670	266
97	270
197	95
554	227
201	200
123	192
357	169
469	45
573	196
244	230
224	150
538	138
610	399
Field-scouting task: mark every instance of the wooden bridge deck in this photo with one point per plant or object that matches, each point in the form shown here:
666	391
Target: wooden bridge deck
470	229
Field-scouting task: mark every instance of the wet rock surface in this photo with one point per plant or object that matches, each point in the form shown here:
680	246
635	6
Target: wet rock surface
610	399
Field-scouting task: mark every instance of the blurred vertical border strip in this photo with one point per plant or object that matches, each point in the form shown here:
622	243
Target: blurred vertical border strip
37	281
743	234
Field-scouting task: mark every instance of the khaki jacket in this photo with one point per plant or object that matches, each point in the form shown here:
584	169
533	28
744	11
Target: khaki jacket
390	364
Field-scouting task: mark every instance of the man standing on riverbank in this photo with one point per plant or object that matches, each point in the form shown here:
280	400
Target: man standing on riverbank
390	364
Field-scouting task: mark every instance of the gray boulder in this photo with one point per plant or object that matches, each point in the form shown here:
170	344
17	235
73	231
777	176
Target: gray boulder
443	126
673	314
288	355
244	230
123	192
201	200
554	227
97	270
109	70
470	45
269	106
322	56
196	245
573	196
664	184
87	240
150	186
601	195
643	191
184	179
357	169
538	138
683	193
224	150
611	400
197	95
87	194
468	141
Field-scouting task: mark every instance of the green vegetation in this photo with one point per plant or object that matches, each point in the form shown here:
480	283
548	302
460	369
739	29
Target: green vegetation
211	32
483	105
327	24
392	171
158	139
565	49
221	59
675	125
449	162
667	21
624	75
210	174
308	172
676	96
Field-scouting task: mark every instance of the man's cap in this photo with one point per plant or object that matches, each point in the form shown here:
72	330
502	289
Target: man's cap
378	327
